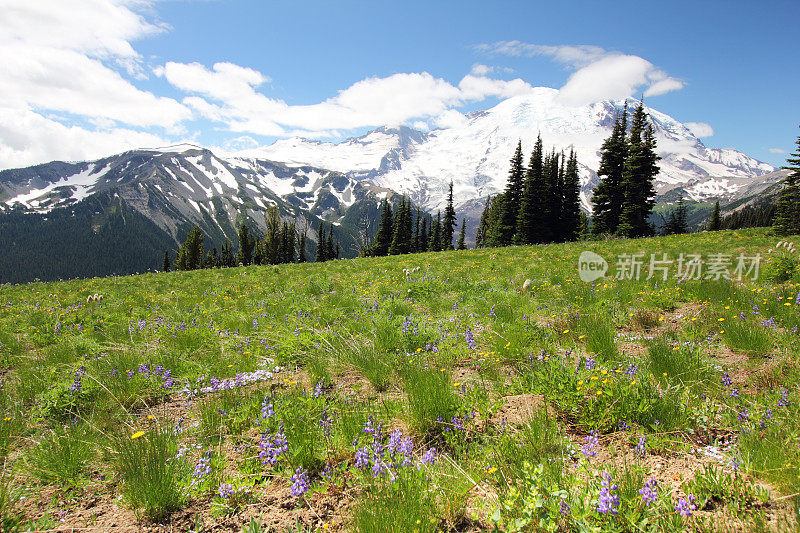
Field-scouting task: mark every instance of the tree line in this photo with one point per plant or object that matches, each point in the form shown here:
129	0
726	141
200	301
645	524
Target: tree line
540	204
411	230
281	243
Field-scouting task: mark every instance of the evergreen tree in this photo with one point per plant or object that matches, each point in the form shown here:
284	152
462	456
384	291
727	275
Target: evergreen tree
787	214
570	201
416	245
482	232
608	195
512	198
494	222
331	247
227	259
550	206
165	264
449	222
383	238
714	224
246	244
403	231
676	223
583	226
435	241
301	246
322	244
530	219
423	233
462	235
191	253
271	244
639	173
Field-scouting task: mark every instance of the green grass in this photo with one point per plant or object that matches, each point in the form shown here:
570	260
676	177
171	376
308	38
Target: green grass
189	357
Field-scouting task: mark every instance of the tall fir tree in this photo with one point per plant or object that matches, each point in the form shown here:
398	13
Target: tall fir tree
191	253
246	244
512	198
227	259
609	196
322	244
715	222
676	222
301	245
462	245
383	238
529	218
449	221
570	200
787	213
415	241
165	264
423	234
403	229
331	246
640	171
435	241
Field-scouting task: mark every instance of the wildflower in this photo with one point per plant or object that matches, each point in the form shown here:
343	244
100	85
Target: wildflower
226	490
686	505
318	389
784	401
726	379
266	408
607	502
564	508
649	491
362	458
137	435
470	339
325	423
429	457
299	482
631	371
591	442
744	414
640	447
202	468
589	363
735	392
623	426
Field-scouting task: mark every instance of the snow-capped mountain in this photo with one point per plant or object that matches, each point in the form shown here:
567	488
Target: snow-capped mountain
475	154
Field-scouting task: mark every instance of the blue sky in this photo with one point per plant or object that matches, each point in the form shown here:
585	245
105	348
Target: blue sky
93	77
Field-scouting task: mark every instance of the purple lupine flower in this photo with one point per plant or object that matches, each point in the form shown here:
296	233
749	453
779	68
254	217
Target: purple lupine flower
131	372
299	482
113	372
203	467
623	426
756	310
631	371
686	505
266	408
429	457
589	363
362	458
470	339
226	490
591	442
325	423
491	312
735	392
564	508
158	370
640	447
726	379
406	448
607	502
744	414
649	491
784	401
318	389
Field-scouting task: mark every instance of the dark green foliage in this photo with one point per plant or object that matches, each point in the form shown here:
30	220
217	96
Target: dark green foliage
715	224
190	254
79	241
676	222
638	175
462	235
608	196
435	241
787	215
403	229
165	264
760	215
570	201
530	219
247	242
512	198
383	239
301	247
449	221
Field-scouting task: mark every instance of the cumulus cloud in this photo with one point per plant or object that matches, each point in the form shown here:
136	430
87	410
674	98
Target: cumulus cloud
228	93
71	58
700	129
599	74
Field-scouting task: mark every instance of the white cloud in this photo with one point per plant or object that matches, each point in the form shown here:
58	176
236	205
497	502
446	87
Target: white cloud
29	138
699	129
70	57
229	96
776	151
600	75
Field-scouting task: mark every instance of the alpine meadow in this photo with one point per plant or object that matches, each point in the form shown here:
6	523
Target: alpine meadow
309	267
